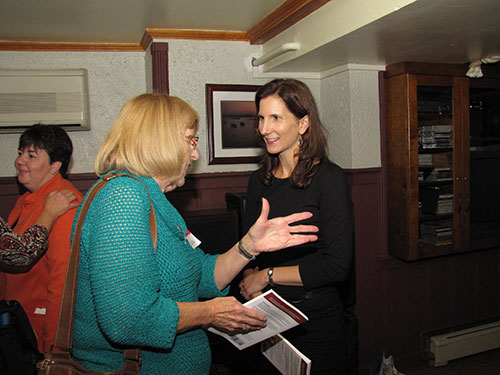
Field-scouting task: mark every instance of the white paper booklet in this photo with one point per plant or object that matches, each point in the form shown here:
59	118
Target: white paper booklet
280	314
285	357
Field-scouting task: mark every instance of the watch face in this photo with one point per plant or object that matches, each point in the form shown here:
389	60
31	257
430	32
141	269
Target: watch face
270	273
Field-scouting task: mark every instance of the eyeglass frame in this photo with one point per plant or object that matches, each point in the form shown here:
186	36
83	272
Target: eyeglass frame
192	140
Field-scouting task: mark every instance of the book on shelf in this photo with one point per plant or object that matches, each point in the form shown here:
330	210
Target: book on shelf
440	174
285	357
435	136
280	314
437	233
425	160
442	160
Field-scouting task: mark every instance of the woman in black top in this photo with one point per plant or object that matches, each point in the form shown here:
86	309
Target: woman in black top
296	175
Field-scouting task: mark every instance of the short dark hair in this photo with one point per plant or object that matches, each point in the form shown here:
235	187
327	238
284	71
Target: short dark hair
53	140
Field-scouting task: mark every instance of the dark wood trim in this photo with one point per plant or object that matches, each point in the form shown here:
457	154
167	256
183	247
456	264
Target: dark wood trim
159	51
197	34
426	68
72	47
286	15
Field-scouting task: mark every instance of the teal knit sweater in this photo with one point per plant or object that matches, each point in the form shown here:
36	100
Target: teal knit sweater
127	293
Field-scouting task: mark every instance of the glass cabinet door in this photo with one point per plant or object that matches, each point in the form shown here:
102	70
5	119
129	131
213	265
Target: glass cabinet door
484	138
435	166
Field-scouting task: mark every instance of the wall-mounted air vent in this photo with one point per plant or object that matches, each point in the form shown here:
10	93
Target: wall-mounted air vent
58	97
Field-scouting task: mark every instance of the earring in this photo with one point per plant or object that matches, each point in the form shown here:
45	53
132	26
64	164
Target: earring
300	141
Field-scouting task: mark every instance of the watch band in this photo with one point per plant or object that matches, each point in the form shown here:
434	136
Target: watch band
270	274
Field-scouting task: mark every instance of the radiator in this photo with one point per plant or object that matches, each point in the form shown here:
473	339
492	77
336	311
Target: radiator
465	342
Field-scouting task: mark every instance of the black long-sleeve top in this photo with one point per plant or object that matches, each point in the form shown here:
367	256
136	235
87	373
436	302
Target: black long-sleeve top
321	263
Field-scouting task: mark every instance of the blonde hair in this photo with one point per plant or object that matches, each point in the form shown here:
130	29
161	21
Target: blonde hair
147	138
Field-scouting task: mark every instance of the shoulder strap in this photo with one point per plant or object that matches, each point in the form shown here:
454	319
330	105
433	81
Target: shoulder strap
64	333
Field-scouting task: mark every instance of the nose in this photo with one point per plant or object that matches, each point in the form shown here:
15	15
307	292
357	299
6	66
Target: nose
264	126
20	159
195	155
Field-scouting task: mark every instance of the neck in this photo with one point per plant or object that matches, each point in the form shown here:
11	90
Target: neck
286	166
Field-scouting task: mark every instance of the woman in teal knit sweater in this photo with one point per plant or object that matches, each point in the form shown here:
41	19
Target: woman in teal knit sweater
130	295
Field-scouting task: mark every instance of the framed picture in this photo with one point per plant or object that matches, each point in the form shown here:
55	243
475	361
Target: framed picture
232	124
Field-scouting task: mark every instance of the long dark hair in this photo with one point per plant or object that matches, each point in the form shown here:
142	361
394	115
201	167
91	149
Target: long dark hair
299	100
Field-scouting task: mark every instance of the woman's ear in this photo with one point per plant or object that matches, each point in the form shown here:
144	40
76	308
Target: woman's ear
303	124
55	167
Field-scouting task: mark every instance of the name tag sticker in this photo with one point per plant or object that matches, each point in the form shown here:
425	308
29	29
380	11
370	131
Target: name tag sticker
40	310
193	241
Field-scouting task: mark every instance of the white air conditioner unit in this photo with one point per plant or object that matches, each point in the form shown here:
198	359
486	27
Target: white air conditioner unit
58	97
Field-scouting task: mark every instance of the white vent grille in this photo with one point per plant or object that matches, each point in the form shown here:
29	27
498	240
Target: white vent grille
29	97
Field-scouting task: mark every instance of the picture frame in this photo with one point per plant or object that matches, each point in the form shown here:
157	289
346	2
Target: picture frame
232	121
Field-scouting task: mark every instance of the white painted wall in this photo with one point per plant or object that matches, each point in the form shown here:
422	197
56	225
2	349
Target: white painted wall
350	112
348	100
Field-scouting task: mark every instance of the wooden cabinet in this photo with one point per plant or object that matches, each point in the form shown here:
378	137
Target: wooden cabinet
443	160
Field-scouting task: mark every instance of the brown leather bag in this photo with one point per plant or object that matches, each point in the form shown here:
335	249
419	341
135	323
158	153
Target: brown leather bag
59	361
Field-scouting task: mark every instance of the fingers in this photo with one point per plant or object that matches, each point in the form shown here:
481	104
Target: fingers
304	229
300	239
231	316
297	217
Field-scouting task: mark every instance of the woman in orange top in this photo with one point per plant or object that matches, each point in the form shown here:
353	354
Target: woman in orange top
43	157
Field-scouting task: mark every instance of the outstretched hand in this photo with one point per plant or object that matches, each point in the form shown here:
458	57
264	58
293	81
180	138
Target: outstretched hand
270	235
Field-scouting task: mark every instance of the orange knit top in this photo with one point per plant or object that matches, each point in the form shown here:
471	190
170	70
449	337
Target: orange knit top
39	291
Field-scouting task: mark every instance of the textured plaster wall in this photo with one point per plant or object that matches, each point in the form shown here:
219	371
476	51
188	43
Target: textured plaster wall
192	64
113	77
350	112
348	101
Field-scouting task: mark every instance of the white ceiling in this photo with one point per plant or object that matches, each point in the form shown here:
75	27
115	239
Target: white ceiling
450	31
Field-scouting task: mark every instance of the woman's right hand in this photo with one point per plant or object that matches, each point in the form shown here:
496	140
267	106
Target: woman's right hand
230	316
58	202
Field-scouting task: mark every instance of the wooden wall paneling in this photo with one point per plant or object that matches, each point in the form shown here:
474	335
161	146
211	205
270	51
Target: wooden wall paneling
206	191
9	192
464	288
487	284
159	51
439	288
369	244
417	304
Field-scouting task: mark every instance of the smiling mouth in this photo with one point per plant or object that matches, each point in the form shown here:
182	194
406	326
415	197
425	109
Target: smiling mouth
271	140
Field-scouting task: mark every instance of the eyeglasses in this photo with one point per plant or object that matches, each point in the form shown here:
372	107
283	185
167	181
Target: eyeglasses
192	140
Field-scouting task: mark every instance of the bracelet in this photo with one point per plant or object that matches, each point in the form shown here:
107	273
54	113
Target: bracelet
244	252
270	274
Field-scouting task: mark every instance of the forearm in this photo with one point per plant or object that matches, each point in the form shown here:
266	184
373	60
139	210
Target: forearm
228	265
46	219
289	276
19	253
193	315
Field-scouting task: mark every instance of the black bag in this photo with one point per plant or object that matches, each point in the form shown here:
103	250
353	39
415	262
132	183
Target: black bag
18	346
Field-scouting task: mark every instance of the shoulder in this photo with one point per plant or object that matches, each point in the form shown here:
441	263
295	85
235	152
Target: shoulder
64	184
328	169
124	188
329	177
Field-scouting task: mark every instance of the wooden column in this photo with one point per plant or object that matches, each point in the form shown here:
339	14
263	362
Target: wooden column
159	51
